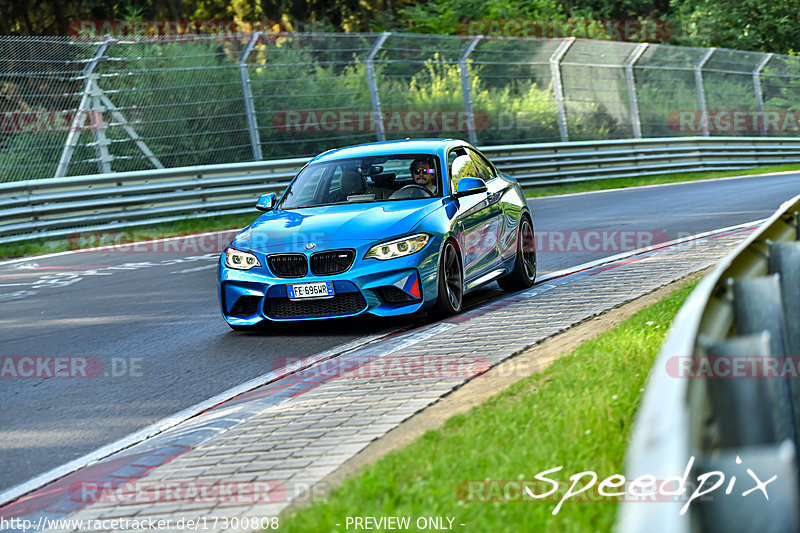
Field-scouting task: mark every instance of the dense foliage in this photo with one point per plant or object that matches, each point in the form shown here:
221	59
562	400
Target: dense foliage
760	25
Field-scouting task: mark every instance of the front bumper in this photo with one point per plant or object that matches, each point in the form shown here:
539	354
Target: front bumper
394	287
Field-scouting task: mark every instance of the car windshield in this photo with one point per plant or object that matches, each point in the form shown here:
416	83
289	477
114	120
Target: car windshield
374	178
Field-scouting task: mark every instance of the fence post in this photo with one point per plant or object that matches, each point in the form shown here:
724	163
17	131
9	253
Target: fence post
101	142
636	121
558	88
373	86
701	92
86	95
762	128
465	90
247	91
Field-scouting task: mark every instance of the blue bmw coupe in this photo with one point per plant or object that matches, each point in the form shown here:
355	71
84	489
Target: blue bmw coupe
387	228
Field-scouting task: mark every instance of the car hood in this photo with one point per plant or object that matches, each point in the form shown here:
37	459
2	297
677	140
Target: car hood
333	225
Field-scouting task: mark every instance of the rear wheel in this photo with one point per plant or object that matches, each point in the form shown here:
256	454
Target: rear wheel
451	283
524	272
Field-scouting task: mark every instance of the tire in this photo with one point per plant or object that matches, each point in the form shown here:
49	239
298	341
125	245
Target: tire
524	273
451	283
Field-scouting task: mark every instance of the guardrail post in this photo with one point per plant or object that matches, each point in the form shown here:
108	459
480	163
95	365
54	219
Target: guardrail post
373	86
558	88
759	93
247	90
636	122
86	95
465	90
784	259
701	93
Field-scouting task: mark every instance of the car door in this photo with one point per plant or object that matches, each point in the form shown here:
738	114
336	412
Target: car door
490	238
477	216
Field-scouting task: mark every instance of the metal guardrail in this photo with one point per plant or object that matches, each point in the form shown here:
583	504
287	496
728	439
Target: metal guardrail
57	207
742	319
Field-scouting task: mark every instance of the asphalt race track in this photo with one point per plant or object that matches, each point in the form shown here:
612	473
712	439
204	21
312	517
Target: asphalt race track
151	319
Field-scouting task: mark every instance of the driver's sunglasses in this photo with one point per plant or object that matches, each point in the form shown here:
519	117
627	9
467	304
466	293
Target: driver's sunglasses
425	171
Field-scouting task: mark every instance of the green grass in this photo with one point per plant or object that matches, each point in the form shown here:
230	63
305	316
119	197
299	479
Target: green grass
619	183
139	233
578	413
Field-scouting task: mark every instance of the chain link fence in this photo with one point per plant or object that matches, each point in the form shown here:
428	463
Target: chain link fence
71	107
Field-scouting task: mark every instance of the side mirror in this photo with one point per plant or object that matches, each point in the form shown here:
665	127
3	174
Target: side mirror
266	202
469	186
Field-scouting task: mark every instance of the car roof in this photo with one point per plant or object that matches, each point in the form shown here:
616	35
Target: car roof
407	146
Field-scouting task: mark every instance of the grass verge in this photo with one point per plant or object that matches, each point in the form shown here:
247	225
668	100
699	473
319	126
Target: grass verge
125	235
621	183
577	414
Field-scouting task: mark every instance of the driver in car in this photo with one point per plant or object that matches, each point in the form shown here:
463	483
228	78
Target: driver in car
424	173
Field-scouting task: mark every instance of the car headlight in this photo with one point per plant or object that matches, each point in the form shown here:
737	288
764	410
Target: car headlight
398	247
240	260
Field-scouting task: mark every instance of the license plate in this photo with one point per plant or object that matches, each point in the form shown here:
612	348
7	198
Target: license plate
323	289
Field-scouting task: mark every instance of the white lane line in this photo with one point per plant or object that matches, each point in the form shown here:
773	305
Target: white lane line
195	269
656	185
63	279
111	247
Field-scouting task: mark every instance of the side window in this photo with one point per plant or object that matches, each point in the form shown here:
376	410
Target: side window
460	165
484	169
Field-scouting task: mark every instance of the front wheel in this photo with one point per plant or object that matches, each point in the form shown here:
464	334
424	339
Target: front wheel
524	272
451	283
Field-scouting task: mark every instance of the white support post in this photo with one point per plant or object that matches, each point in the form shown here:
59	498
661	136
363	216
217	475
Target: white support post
377	117
247	91
465	90
558	88
760	94
701	93
83	106
636	121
